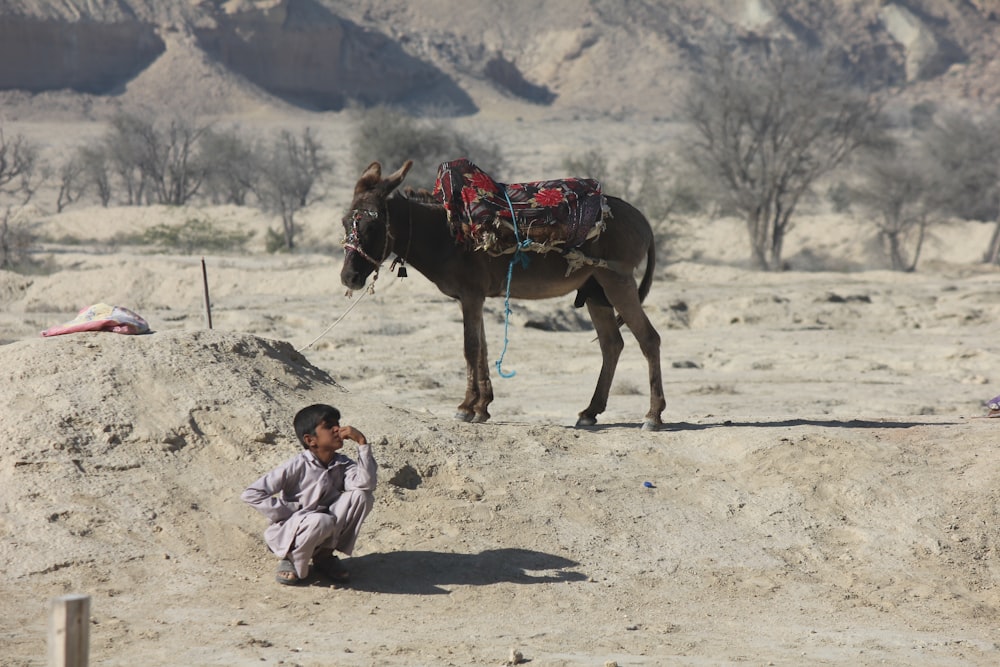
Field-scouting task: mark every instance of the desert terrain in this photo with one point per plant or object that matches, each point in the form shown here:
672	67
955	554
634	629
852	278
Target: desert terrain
823	492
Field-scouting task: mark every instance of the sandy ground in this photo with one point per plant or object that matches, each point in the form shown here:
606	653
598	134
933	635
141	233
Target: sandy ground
824	492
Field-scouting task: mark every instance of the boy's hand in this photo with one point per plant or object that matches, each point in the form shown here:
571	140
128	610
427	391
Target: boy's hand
351	433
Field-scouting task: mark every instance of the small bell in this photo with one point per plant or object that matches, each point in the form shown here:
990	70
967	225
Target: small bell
398	262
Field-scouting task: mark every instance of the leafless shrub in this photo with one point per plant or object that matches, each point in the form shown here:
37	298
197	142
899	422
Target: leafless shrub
293	168
96	171
234	166
898	189
19	180
651	183
392	137
177	167
16	240
125	149
156	159
967	150
19	164
72	181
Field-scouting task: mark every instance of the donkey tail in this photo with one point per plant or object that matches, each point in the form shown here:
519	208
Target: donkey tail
647	278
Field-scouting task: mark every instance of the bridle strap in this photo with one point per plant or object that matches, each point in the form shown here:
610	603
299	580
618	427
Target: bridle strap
352	242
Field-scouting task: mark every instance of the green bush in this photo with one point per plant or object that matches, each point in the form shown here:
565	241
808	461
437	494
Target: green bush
839	195
193	235
274	241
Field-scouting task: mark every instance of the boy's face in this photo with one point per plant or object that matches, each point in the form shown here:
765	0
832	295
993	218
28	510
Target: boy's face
326	442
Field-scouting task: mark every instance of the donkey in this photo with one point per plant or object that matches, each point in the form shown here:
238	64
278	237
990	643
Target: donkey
377	226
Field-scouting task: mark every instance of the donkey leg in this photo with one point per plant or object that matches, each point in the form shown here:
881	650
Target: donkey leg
484	386
478	388
612	345
481	406
649	343
471	324
623	294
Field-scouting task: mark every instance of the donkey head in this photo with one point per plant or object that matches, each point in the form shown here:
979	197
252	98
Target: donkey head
367	236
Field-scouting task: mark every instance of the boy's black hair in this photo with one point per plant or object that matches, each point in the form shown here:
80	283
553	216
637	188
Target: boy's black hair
309	417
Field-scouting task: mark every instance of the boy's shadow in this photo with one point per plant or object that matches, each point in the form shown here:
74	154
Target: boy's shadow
425	572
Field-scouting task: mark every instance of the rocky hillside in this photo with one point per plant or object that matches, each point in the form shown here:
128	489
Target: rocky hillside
564	57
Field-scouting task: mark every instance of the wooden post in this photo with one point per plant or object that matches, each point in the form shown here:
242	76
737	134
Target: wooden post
69	631
208	304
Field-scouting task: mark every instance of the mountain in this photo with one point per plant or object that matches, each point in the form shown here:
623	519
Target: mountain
561	57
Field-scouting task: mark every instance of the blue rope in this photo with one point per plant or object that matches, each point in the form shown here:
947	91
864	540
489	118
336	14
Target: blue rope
519	256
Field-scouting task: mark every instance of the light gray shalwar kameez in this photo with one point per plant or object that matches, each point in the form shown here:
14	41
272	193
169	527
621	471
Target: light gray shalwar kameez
314	506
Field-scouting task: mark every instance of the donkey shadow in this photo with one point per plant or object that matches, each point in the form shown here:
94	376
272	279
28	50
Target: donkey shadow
427	572
778	423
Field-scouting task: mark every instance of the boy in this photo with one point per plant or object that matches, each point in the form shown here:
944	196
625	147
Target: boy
317	500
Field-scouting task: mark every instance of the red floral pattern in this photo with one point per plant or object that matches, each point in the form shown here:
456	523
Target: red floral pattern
550	197
561	213
481	181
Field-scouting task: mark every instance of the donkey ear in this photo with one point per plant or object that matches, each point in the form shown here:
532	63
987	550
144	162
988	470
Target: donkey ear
393	181
371	177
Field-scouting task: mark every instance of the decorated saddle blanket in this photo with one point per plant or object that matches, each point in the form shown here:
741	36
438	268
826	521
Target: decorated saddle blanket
102	317
549	215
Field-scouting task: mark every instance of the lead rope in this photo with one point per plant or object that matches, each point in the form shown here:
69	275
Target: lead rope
352	242
327	330
368	290
518	256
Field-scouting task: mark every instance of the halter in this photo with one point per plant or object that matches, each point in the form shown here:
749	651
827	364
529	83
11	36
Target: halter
352	242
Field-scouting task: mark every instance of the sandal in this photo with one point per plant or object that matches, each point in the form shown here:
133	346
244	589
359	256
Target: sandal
330	566
286	573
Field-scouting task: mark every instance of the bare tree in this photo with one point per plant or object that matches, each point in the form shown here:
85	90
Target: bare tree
968	151
293	168
156	159
124	148
233	166
15	240
898	187
19	164
72	181
767	127
173	164
97	171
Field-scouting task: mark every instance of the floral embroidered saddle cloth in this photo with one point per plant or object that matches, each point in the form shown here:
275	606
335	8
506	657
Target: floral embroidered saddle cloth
550	215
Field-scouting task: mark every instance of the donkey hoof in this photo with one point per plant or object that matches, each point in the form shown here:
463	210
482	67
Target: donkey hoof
480	418
652	425
585	420
463	416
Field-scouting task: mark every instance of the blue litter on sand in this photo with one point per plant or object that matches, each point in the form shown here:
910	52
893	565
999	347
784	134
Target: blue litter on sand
648	485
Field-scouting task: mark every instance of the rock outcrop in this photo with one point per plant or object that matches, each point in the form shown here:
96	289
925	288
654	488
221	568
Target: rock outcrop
577	56
87	56
300	51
